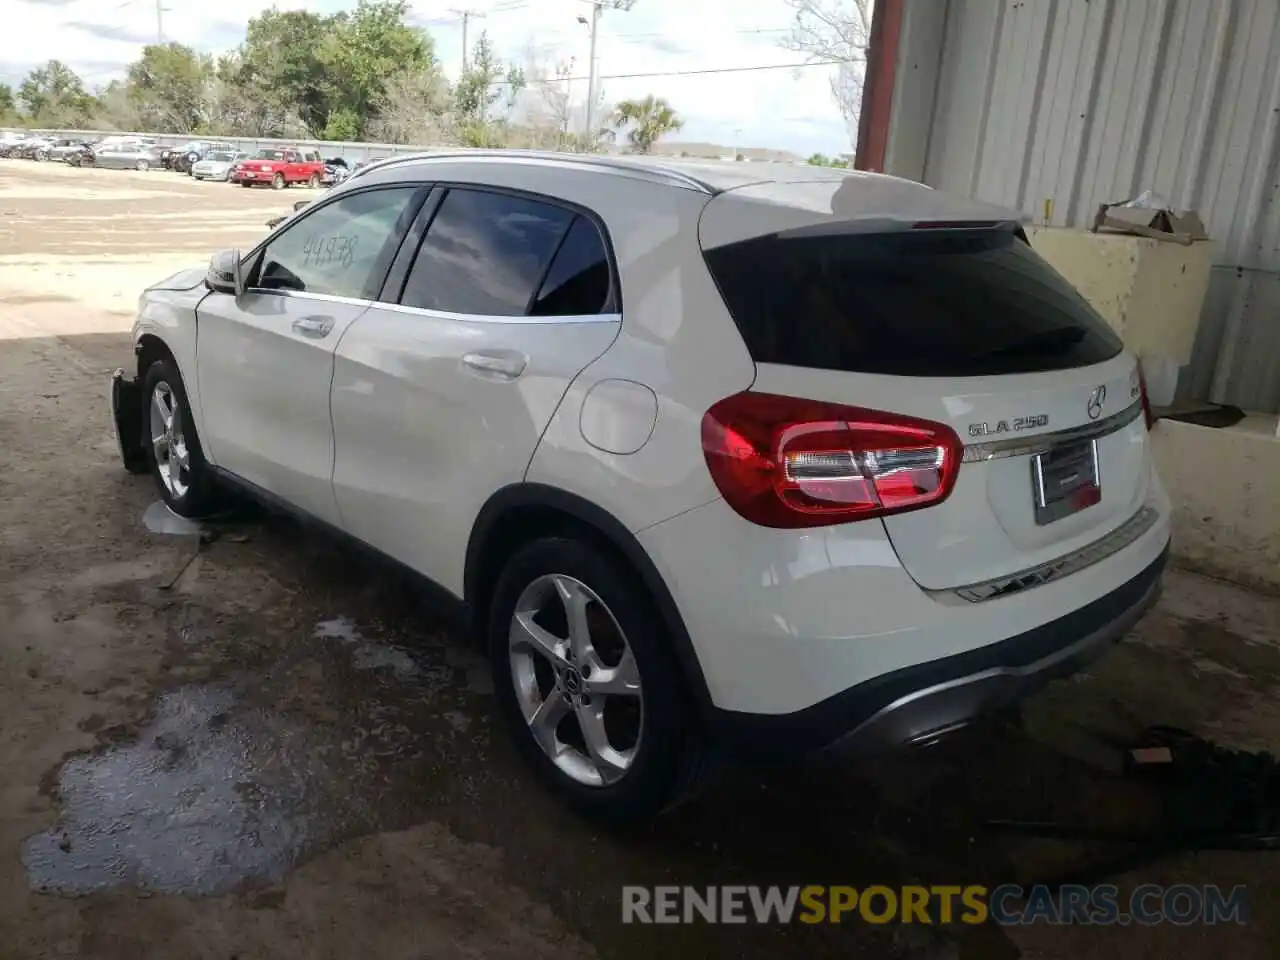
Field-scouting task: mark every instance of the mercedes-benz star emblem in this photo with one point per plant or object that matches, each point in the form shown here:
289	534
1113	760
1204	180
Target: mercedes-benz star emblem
1096	400
572	682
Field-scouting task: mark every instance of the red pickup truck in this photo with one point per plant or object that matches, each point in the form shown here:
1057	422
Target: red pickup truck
280	167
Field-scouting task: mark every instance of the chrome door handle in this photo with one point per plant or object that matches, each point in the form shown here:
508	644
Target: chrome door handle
314	327
500	366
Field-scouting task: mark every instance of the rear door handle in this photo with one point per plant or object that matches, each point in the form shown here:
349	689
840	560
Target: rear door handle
313	327
499	366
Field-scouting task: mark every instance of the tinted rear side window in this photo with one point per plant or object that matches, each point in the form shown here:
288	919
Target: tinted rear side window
578	282
927	303
485	254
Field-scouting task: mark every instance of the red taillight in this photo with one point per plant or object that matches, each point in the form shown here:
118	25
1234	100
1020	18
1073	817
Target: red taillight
786	462
1146	401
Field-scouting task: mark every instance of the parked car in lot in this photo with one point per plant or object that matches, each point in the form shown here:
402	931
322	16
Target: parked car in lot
33	148
839	462
127	156
336	170
60	150
10	144
82	156
280	168
184	157
216	165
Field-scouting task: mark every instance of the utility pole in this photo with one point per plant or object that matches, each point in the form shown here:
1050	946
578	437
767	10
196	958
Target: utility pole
596	9
160	21
466	16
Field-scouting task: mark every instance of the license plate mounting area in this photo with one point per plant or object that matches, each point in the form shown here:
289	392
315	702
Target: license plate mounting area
1065	480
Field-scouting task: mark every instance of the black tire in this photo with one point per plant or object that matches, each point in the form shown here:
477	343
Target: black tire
246	184
278	182
314	182
669	762
201	496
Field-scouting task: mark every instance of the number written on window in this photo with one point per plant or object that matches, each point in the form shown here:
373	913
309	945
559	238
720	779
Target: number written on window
340	249
485	254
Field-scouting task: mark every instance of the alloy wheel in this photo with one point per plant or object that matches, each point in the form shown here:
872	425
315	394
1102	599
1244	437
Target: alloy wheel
576	680
173	457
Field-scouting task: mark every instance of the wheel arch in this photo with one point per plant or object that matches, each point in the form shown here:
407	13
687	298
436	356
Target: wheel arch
522	512
149	348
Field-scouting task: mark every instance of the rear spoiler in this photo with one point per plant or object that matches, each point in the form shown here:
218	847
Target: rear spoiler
836	228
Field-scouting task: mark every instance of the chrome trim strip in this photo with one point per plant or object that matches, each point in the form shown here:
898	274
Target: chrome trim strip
470	318
308	295
985	450
1123	536
435	314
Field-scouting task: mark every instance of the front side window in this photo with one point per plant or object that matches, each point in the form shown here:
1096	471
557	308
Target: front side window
338	249
485	254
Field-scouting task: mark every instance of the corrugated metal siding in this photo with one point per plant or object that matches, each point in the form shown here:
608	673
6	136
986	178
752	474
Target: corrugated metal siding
1090	101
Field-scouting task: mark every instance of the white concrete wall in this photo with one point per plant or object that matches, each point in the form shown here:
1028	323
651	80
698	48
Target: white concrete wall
1225	487
1150	291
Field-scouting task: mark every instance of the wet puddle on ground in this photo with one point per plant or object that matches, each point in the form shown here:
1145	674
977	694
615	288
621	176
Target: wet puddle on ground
241	780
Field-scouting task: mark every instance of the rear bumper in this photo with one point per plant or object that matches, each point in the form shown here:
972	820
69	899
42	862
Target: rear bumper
920	703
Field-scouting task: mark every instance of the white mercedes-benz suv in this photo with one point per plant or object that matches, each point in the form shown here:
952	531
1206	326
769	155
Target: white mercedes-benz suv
717	460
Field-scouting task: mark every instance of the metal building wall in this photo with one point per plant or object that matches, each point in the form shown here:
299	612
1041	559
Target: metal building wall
1089	101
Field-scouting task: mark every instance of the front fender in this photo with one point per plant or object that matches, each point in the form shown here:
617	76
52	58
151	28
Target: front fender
167	313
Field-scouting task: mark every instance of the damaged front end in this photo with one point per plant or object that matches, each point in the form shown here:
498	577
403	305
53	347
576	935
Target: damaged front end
126	413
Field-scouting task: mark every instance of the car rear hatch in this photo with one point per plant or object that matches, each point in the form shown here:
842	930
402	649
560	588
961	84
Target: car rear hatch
957	323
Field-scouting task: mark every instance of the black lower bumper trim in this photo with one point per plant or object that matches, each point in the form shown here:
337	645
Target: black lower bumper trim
126	413
922	701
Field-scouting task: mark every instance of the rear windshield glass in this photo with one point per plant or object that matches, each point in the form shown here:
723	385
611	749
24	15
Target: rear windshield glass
925	303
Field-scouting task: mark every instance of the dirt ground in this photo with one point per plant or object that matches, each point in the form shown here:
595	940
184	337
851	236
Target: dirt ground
260	746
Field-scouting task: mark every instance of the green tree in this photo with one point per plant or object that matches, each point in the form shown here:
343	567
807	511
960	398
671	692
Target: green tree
53	95
362	51
7	104
169	86
479	88
280	68
819	160
645	121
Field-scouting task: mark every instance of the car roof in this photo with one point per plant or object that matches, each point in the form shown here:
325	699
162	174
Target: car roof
799	186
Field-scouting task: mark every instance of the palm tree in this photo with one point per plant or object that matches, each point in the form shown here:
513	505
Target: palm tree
647	120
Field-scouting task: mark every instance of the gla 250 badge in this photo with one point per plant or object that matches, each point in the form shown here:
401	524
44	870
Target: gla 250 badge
1009	426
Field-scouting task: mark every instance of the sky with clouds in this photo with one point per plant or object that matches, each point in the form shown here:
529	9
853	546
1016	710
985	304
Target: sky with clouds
782	108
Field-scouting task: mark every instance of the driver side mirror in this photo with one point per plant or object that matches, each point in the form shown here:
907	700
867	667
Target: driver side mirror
226	273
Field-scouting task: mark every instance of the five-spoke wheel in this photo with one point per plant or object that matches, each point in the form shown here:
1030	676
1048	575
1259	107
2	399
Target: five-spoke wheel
173	459
587	680
576	680
173	448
